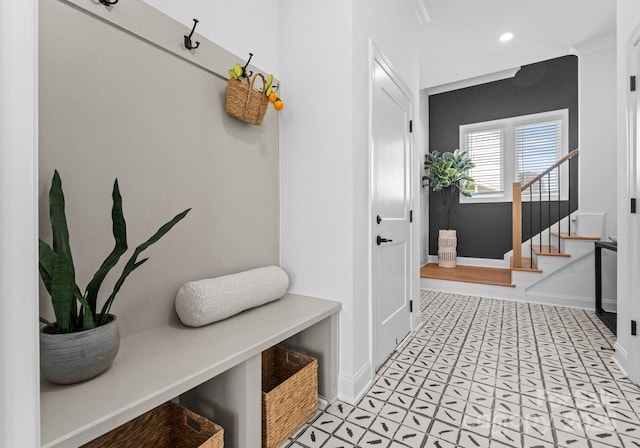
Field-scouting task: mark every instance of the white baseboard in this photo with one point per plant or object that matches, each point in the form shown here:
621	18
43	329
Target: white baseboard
621	357
610	305
351	389
470	289
324	402
545	298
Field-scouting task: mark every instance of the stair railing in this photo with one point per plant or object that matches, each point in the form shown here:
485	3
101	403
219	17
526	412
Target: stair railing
519	190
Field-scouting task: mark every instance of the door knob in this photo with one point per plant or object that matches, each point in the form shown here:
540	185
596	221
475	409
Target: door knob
378	219
380	240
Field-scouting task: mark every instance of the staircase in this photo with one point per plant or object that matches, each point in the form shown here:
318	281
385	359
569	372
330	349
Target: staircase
555	266
563	272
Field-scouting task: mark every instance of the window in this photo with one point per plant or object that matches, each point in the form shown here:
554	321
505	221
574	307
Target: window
537	148
486	150
516	149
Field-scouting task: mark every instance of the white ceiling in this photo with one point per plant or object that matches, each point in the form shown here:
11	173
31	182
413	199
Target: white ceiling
461	39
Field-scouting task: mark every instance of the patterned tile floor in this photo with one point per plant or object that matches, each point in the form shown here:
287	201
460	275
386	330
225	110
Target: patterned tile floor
490	373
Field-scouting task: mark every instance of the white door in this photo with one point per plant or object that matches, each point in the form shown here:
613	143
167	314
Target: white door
391	185
632	310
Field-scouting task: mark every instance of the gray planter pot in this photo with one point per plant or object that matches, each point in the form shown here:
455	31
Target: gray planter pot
74	357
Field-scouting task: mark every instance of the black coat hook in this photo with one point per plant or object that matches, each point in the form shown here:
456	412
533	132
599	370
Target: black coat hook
244	69
187	39
108	2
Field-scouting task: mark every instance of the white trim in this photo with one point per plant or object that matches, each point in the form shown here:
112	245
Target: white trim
509	293
610	305
377	57
324	402
471	289
546	298
352	388
19	350
569	264
629	255
456	85
594	45
621	358
509	158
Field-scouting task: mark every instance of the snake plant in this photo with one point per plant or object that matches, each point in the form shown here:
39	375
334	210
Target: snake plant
74	310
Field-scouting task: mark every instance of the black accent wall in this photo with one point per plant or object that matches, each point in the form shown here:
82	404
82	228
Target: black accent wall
484	230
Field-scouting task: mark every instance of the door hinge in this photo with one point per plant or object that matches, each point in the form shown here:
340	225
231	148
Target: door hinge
411	306
410	125
632	83
634	328
410	215
633	205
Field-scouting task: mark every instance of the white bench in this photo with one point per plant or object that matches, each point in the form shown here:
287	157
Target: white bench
215	370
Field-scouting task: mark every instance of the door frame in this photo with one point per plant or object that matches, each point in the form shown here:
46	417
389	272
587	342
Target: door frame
19	349
376	56
630	251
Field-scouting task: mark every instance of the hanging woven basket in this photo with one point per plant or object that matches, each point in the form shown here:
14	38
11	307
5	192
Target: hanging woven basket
246	103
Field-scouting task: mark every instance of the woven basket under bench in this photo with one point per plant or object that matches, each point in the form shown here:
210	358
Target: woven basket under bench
167	426
289	393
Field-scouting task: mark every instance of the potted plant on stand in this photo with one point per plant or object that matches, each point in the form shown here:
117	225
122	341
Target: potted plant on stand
448	173
84	340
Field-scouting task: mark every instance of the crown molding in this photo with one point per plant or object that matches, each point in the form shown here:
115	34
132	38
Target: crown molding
594	45
477	80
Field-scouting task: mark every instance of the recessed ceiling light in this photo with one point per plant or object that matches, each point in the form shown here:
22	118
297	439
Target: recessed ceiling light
506	37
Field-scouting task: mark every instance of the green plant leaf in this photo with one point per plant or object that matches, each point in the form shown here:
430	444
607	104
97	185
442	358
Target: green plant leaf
47	258
449	170
132	264
62	295
85	316
62	249
119	229
59	221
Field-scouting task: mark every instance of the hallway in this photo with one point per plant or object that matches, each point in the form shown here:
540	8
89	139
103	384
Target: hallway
490	373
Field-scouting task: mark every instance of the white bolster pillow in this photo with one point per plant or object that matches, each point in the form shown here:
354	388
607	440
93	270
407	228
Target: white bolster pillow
202	302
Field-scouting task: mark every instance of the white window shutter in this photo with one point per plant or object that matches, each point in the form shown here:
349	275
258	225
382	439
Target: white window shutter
538	146
486	152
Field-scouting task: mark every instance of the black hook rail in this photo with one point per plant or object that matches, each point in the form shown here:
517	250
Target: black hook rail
187	39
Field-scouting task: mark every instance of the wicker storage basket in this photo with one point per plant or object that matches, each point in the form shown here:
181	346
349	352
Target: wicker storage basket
167	426
289	393
246	103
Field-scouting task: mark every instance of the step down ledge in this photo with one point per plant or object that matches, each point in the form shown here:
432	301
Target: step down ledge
468	274
566	236
548	251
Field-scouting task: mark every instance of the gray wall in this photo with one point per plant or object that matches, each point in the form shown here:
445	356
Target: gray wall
113	105
484	230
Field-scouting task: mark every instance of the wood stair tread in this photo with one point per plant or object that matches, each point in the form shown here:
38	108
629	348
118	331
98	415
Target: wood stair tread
470	274
548	251
528	265
573	236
